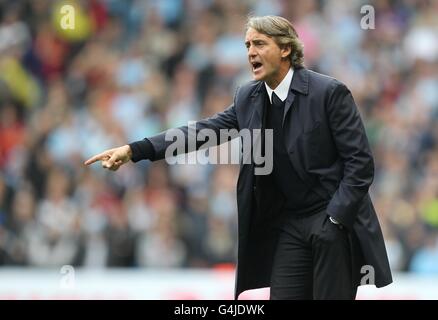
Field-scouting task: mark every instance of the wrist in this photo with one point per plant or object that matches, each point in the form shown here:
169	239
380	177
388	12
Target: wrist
128	150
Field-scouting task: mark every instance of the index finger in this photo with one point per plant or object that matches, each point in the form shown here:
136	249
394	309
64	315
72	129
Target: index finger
98	157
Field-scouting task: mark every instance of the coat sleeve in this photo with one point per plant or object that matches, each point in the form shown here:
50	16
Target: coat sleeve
196	135
355	153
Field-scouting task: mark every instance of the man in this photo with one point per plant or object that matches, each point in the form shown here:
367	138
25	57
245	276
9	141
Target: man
308	230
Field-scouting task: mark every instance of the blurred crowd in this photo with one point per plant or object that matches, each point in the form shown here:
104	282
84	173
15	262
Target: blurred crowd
132	68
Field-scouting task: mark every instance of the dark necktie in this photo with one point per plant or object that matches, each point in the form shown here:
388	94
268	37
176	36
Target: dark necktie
277	111
277	122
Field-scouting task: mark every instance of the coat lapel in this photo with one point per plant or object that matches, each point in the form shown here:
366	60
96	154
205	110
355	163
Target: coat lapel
257	101
300	84
293	127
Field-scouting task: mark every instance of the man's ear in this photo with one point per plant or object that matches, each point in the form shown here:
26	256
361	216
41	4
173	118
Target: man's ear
286	51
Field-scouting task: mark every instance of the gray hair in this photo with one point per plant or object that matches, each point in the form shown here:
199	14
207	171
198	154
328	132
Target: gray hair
283	33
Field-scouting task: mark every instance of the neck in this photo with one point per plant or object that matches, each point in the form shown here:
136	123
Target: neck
278	77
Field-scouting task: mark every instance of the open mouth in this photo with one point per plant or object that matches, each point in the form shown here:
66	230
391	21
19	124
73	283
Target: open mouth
256	66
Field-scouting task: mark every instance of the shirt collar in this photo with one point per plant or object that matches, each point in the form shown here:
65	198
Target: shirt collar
282	89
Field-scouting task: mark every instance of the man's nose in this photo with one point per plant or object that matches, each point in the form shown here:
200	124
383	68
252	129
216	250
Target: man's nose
251	52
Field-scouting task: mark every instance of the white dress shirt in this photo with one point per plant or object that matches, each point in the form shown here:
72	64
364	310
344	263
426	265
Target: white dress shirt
282	89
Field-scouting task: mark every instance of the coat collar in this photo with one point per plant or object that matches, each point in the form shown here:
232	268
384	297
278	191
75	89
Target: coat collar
299	84
300	81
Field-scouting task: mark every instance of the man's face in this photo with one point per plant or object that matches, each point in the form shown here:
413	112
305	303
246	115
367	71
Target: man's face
265	56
